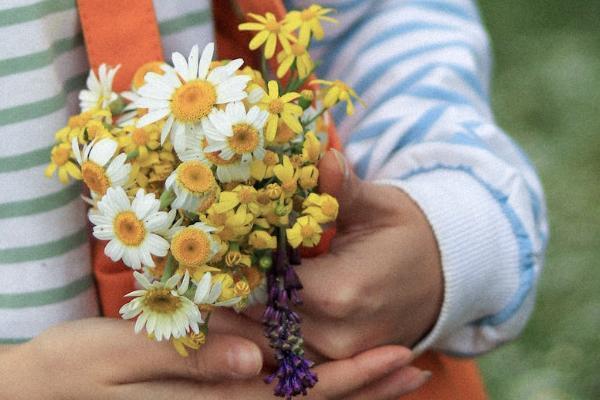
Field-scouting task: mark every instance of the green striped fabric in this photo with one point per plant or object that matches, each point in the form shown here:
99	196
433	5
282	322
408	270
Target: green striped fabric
48	67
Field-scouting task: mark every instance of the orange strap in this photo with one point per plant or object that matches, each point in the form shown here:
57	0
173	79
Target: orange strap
120	32
127	35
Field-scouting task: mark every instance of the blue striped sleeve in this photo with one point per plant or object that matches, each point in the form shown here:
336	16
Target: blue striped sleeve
423	68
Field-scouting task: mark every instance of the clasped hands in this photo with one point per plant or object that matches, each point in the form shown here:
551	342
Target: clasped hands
374	294
379	285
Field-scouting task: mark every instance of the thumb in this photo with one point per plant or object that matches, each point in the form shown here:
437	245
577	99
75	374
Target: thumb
360	201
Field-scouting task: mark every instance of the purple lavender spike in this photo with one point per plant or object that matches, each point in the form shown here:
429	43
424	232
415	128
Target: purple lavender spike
282	326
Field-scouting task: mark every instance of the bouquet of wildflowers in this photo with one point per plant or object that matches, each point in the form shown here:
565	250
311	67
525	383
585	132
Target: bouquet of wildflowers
202	180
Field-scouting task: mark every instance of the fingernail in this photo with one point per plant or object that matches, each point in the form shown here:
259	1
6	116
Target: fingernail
341	162
244	361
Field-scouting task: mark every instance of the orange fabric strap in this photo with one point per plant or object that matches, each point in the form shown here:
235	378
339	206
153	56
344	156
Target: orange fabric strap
124	33
120	32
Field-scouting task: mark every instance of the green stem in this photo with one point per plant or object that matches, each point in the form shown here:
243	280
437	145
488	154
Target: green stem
313	119
263	66
169	268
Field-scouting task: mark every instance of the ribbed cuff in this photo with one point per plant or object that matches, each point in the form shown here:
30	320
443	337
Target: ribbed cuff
476	244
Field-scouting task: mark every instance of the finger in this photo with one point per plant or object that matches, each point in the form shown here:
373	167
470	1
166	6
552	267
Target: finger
226	321
169	390
129	357
362	203
396	384
337	179
339	378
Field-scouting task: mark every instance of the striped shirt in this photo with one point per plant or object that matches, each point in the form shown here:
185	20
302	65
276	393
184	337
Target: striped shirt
422	66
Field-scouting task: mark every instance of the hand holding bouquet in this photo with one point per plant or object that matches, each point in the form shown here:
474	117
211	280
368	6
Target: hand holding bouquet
202	179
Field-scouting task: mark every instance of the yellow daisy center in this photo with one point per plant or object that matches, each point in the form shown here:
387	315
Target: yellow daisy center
298	49
276	106
244	139
307	231
60	156
196	177
193	101
246	195
140	137
308	14
191	246
138	77
329	208
273	26
94	177
129	229
161	301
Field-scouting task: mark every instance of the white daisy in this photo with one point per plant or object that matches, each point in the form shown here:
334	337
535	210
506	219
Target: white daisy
226	170
99	169
131	228
208	293
162	308
194	186
235	133
188	92
99	93
194	245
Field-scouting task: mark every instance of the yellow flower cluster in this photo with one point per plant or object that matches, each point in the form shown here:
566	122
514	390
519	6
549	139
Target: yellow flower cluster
204	170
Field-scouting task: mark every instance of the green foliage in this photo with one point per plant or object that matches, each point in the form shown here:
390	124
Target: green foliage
546	94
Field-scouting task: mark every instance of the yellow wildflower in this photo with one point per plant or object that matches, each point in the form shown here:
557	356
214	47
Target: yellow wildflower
306	231
311	150
241	288
262	240
281	107
191	340
309	177
338	91
277	213
235	258
287	175
241	194
227	286
60	158
284	134
297	53
143	140
230	225
94	130
309	21
196	272
323	208
269	31
263	169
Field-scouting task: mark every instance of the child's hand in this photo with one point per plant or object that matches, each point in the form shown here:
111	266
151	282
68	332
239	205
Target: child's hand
382	280
380	283
104	359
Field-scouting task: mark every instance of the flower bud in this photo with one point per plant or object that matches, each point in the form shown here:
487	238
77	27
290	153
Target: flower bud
265	262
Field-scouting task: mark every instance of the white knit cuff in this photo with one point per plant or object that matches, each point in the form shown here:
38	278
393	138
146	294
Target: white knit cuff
476	245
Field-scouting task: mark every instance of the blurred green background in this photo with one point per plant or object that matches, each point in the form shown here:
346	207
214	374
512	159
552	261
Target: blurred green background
546	94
